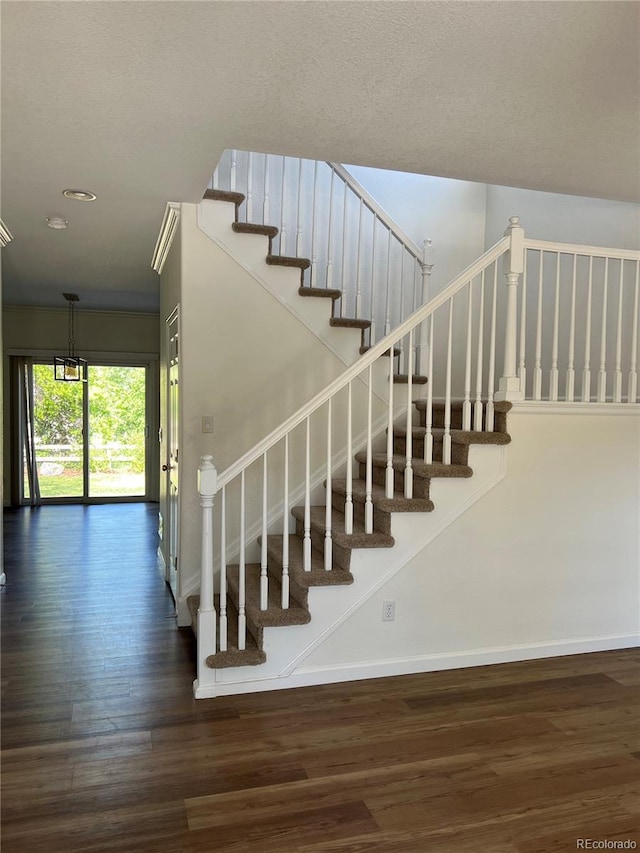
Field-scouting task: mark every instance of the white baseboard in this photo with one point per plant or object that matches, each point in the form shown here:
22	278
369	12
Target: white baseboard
338	673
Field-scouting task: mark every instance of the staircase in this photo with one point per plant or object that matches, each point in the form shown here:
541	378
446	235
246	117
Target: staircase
306	290
298	513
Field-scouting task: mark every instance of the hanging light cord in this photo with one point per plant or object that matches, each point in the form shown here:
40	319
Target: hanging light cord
72	342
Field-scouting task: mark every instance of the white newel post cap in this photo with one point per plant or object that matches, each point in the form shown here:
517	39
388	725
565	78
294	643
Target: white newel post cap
207	477
514	258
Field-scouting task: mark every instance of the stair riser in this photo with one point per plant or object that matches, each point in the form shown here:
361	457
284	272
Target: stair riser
341	556
381	519
296	592
500	419
420	484
459	452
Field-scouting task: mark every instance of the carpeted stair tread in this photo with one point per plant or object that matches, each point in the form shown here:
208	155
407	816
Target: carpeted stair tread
274	615
357	539
398	503
349	323
317	576
250	656
325	292
224	195
458	436
420	468
396	352
286	261
416	379
253	228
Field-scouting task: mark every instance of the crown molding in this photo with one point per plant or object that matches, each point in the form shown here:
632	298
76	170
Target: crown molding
166	235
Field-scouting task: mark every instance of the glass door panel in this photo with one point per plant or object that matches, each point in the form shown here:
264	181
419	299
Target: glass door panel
117	431
58	422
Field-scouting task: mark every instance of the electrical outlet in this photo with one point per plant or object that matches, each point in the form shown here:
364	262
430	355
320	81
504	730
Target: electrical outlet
207	423
388	611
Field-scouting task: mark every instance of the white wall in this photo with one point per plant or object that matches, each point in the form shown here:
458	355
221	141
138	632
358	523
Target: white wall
563	218
451	213
546	562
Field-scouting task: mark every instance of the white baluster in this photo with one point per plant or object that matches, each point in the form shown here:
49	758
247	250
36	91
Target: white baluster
509	388
426	268
537	366
348	503
215	180
265	209
553	374
372	335
368	502
234	169
522	368
408	468
343	267
586	373
428	436
283	227
299	212
223	570
387	306
330	235
328	541
250	188
285	528
389	473
466	405
207	477
242	574
264	575
617	373
446	438
632	391
314	259
358	271
306	542
491	380
477	408
571	374
602	373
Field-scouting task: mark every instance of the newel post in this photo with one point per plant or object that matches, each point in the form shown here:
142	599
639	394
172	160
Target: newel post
207	487
509	386
423	343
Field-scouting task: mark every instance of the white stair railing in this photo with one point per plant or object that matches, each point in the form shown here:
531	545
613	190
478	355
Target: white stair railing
354	246
344	415
579	323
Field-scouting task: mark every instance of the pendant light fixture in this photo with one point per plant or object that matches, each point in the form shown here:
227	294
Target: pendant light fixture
70	368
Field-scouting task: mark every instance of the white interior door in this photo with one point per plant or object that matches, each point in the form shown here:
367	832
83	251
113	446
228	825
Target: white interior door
171	465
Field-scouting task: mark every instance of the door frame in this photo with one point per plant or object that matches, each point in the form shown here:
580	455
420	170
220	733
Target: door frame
170	530
107	359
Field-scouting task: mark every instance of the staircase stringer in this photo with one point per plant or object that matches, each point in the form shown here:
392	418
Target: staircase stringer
288	647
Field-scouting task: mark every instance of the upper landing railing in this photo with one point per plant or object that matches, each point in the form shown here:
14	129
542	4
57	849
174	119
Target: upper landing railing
354	246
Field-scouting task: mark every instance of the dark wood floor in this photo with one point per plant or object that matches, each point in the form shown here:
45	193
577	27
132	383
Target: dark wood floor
104	749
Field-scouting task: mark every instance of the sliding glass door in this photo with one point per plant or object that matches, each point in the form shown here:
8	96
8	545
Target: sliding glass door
90	439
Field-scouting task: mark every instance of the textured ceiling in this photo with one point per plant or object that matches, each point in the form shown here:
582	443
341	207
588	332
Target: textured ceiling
137	100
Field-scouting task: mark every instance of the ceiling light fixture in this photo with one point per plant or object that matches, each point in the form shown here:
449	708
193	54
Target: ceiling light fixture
79	195
70	368
57	222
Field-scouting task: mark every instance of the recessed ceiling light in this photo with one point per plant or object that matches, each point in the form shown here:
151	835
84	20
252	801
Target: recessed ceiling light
79	195
57	222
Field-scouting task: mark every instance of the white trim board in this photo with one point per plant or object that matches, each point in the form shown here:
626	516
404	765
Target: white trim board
420	663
